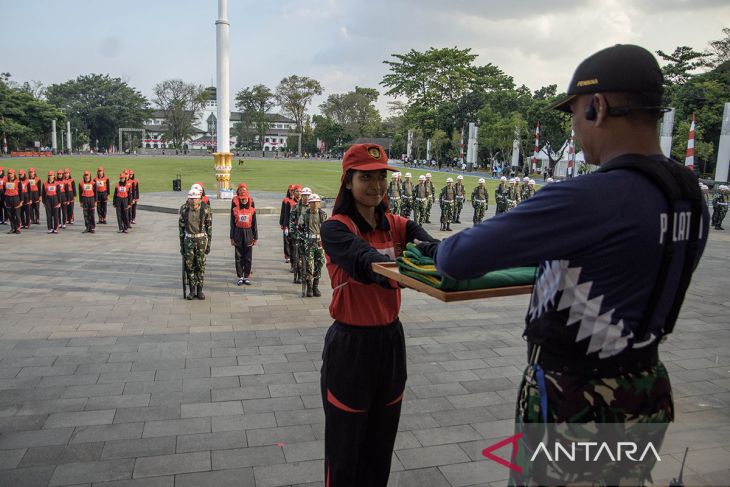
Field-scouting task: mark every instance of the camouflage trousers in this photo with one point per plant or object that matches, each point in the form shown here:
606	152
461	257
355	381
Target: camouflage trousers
447	213
394	205
458	206
419	211
406	206
718	215
635	406
194	252
314	259
479	209
429	205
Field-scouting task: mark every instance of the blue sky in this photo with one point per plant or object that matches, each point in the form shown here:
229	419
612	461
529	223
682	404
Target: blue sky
341	43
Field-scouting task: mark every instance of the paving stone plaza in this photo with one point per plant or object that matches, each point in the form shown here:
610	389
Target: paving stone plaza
109	378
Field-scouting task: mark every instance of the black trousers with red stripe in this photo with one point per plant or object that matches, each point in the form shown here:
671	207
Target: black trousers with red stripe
363	377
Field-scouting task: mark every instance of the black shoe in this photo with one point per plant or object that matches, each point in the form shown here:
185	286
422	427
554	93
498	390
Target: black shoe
315	289
309	289
718	227
247	281
457	221
190	295
239	282
448	228
85	231
200	294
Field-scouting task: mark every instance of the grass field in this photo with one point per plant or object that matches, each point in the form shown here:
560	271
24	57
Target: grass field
156	173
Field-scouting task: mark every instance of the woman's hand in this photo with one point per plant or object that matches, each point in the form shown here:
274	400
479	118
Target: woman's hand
233	242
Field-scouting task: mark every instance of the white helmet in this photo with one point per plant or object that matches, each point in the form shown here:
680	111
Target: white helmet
428	174
459	177
408	175
421	177
723	187
314	198
531	182
449	180
481	180
396	174
306	191
194	194
503	178
550	180
196	187
526	179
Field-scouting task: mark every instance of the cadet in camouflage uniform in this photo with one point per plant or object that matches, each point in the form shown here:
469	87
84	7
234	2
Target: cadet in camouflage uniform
394	194
460	196
513	195
719	208
479	201
420	200
431	196
313	218
407	201
196	233
447	199
295	233
501	194
523	188
528	190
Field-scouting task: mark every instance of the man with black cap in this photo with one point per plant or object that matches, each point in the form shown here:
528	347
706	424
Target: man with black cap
617	249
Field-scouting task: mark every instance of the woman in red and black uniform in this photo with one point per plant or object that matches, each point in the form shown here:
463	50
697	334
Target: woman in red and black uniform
364	357
102	194
70	196
50	195
286	205
12	200
2	196
244	233
61	182
35	196
87	195
121	202
24	209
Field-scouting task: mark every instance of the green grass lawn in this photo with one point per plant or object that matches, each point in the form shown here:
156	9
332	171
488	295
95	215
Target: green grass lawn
156	173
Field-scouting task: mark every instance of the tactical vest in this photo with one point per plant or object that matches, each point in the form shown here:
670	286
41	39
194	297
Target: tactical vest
87	189
11	188
355	303
243	217
101	185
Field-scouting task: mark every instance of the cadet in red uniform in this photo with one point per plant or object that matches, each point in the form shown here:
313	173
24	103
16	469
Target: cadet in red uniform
24	209
244	233
102	194
52	202
87	195
284	214
12	200
364	357
61	182
121	202
134	197
70	195
2	196
35	196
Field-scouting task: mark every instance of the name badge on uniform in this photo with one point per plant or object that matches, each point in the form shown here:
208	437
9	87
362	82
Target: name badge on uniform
9	185
243	218
100	183
88	187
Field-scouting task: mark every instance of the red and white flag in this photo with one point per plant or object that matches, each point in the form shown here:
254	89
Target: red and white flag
537	146
571	154
689	159
461	147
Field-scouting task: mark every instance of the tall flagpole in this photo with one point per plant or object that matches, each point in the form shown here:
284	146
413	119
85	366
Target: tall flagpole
223	157
571	155
537	147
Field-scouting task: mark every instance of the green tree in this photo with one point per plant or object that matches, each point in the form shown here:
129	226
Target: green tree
182	103
294	94
439	143
719	51
329	131
255	103
24	118
354	111
99	105
430	78
554	125
681	64
704	163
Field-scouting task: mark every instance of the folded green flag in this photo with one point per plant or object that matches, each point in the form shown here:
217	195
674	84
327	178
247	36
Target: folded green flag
418	266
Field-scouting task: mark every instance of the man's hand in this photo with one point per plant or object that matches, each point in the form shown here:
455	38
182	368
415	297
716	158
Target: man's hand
426	248
207	250
253	243
233	242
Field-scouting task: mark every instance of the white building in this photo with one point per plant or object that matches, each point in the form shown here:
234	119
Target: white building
204	136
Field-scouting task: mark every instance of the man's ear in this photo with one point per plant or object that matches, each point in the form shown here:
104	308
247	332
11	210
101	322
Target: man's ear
601	106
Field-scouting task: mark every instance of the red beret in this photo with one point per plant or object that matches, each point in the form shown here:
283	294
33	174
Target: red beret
365	157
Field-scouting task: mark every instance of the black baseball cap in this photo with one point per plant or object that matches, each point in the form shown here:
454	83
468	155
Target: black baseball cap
621	68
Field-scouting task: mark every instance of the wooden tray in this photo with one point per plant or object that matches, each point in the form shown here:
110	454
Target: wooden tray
391	270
